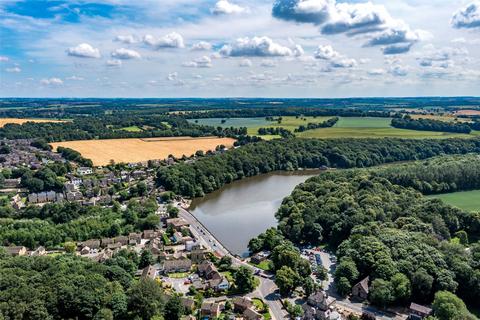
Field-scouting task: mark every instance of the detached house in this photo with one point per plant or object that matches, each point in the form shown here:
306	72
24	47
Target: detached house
360	290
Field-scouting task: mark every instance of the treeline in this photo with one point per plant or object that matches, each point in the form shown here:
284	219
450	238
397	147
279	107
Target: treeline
391	233
70	287
311	126
76	156
54	224
208	174
430	125
438	175
110	127
279	131
284	112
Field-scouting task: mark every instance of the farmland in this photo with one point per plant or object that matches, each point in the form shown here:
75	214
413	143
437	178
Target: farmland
346	127
4	121
466	200
101	152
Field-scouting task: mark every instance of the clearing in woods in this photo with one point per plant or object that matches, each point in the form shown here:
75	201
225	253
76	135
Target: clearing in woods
466	200
4	121
101	152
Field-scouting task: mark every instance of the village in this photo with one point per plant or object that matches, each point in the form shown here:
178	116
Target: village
182	255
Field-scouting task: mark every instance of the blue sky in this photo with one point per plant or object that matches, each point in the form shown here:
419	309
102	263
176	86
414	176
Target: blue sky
247	48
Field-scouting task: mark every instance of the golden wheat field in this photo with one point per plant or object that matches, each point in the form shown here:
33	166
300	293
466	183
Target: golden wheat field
101	152
4	121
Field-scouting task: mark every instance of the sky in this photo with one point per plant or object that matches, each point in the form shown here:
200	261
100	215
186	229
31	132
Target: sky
239	48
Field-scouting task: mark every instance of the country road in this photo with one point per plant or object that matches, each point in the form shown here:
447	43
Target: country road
267	288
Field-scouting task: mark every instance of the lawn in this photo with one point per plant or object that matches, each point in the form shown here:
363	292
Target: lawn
466	200
178	275
363	122
265	265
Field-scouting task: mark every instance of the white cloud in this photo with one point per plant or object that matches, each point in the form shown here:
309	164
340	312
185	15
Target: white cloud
127	39
84	50
398	71
75	78
225	7
442	58
13	70
125	54
326	52
255	47
171	40
51	82
467	17
202	46
114	63
4	59
202	62
376	72
173	76
245	63
268	63
353	19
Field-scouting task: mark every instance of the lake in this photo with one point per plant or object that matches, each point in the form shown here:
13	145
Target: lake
245	208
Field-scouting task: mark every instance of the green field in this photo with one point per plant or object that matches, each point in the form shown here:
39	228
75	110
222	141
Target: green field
132	129
232	122
346	127
466	200
357	127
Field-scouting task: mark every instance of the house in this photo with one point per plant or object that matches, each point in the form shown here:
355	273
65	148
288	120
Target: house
73	196
40	251
69	187
85	250
51	196
149	272
92	244
318	307
84	171
207	270
177	223
177	265
16	250
134	238
33	198
150	234
250	314
106	242
258	258
197	254
11	183
360	290
240	304
123	240
177	237
210	310
418	312
188	304
218	284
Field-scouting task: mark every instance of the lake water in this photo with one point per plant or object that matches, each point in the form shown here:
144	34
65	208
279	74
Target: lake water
245	208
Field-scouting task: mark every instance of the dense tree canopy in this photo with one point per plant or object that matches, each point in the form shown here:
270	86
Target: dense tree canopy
208	174
388	231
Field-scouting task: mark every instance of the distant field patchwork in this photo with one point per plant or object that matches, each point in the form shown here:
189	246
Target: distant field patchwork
4	121
346	127
466	200
358	127
101	152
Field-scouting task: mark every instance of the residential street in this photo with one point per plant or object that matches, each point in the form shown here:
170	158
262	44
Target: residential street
266	289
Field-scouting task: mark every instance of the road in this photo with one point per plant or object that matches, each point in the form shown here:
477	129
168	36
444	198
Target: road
267	288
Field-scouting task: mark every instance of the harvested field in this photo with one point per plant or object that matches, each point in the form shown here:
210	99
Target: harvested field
468	113
4	121
101	152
